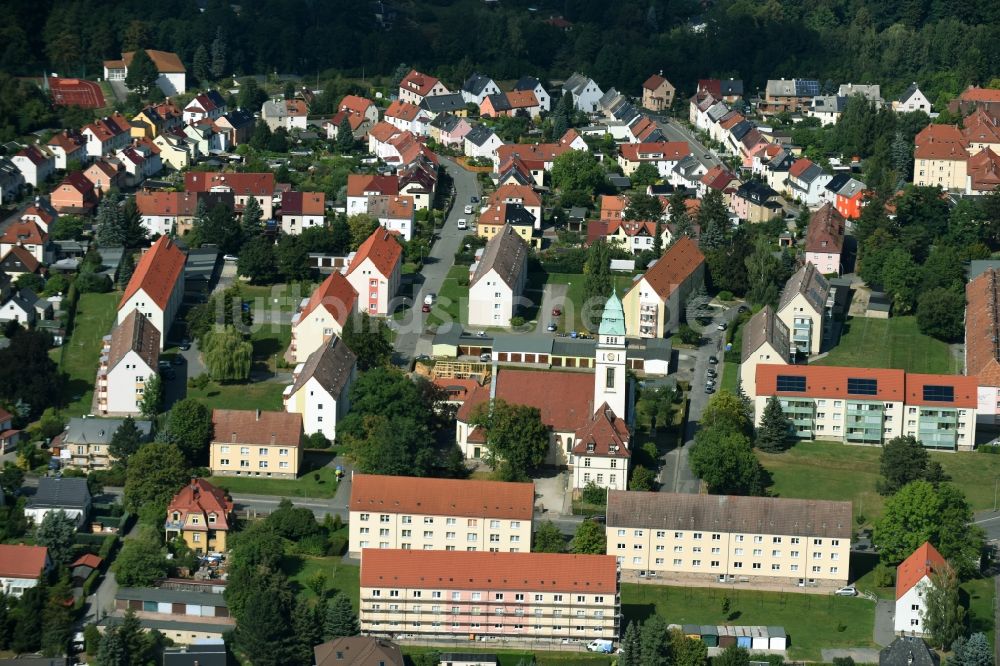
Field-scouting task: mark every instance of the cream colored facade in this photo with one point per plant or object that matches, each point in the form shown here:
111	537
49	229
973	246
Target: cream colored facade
804	322
647	314
560	444
425	532
234	459
706	556
315	330
948	174
606	472
766	353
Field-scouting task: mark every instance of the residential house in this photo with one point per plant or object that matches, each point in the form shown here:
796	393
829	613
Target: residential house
524	195
449	130
806	182
24	306
237	125
585	91
755	540
287	113
67	147
534	85
974	99
687	173
41	213
478	87
255	443
982	354
500	218
320	389
362	186
654	303
635	235
106	135
497	284
804	306
433	106
416	86
601	449
776	170
323	316
208	105
915	576
791	95
59	494
727	90
418	180
663	155
163	212
156	288
375	272
766	340
85	441
17	261
908	651
21	566
357	651
176	152
481	142
847	194
657	93
172	74
301	210
721	179
825	240
537	158
200	514
404	512
243	185
940	157
9	436
827	108
75	194
146	124
980	131
405	148
397	214
572	140
206	653
912	100
35	166
192	614
360	112
379	136
492	592
514	103
104	174
754	201
983	173
138	164
28	235
405	117
870	405
130	357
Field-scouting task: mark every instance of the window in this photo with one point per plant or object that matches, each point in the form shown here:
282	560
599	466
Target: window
383	518
477	596
775	553
697	535
223	461
793	383
430	521
678	535
282	452
637	533
449	535
498	596
244	450
610	378
939	393
262	451
365	516
758	539
515	524
795	540
862	386
262	464
817	542
795	553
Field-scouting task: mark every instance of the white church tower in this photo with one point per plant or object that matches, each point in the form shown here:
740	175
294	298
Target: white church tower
609	380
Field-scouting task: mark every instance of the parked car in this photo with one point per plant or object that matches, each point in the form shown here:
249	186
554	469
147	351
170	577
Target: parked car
721	327
598	519
230	257
463	224
743	308
474	199
425	308
430	298
849	591
709	389
713	360
185	344
556	312
552	327
468	210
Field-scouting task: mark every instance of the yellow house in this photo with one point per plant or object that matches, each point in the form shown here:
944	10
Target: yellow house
496	217
146	124
173	151
256	443
200	514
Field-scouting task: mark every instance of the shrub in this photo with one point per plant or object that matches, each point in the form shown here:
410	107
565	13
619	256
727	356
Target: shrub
725	295
594	494
517	321
315	545
338	545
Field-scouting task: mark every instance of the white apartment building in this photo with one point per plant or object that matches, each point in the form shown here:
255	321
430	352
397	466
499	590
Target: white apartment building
375	272
129	359
157	287
765	340
727	539
321	387
413	513
498	281
804	307
913	578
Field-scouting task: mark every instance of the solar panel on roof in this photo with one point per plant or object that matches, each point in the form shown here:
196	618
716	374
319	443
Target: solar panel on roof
939	393
792	383
862	386
807	87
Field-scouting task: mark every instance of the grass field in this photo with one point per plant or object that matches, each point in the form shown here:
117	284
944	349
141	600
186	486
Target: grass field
573	312
339	576
452	304
891	343
79	358
261	395
811	621
269	343
730	376
284	297
829	470
979	595
304	486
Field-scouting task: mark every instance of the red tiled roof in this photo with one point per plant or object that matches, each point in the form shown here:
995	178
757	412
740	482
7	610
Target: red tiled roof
565	399
966	390
165	61
675	266
940	142
718	178
983	169
402	110
358	185
27	232
826	231
202	498
33	154
658	151
335	295
157	272
480	570
654	82
258	184
382	248
442	497
831	382
78	181
22	561
535	156
42	214
418	82
523	194
596	229
162	204
799	167
355	104
68	140
612	207
605	435
382	131
632	227
457	389
303	203
980	127
522	99
977	94
246	426
87	560
922	562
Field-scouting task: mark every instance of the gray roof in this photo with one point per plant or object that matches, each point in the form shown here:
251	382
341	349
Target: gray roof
765	326
870	92
98	431
576	83
56	492
477	83
499	102
479	134
851	187
908	93
907	651
792	87
728	513
571	347
740	129
829	103
445	121
331	365
717	111
652	349
506	253
810	283
731	87
189	623
443	103
160	594
211	654
524	344
527	83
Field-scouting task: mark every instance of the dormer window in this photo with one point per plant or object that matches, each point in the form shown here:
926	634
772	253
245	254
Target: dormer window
176	516
211	519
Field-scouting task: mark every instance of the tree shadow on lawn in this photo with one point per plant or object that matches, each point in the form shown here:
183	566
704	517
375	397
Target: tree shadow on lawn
637	612
266	347
292	565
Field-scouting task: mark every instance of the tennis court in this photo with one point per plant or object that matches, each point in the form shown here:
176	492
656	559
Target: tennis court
76	92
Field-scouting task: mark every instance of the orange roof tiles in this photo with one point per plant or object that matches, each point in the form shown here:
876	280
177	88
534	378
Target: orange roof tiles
612	207
605	435
977	94
382	131
157	272
980	127
24	257
257	184
335	295
201	498
359	185
565	399
983	169
535	156
355	104
922	562
675	266
26	232
303	203
940	142
831	382
260	428
799	167
982	327
660	150
522	99
22	561
417	82
165	61
383	250
654	82
402	110
161	203
480	570
523	194
966	390
442	497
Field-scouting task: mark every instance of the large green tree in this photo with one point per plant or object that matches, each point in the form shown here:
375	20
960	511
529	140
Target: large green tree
642	206
57	532
943	613
972	651
725	409
368	338
723	458
340	618
258	261
713	218
516	438
142	560
577	171
142	73
654	642
774	432
125	442
155	473
189	426
904	459
589	539
941	314
228	355
597	282
264	623
548	539
152	396
687	651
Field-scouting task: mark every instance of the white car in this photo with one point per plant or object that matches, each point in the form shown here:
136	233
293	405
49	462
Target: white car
468	210
463	224
430	298
849	591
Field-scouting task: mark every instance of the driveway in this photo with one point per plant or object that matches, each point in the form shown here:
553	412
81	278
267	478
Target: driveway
553	295
552	495
885	617
436	266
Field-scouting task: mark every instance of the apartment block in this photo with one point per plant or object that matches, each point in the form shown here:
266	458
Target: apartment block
805	308
410	513
727	539
468	595
872	405
255	443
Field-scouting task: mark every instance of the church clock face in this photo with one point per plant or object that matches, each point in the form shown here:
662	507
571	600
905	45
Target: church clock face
609	357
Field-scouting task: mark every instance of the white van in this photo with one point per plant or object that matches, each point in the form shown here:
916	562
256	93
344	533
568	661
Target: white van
463	224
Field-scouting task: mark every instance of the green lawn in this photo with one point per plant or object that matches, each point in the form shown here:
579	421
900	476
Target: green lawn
830	470
811	621
284	297
515	657
304	486
574	310
339	576
891	343
452	303
730	376
261	395
980	597
79	358
269	344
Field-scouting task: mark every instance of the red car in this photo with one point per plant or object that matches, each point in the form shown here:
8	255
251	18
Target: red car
425	308
556	312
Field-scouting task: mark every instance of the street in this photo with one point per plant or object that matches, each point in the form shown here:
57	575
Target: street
675	131
436	265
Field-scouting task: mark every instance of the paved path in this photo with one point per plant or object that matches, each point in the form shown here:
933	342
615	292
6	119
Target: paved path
553	295
885	614
675	131
859	655
436	266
